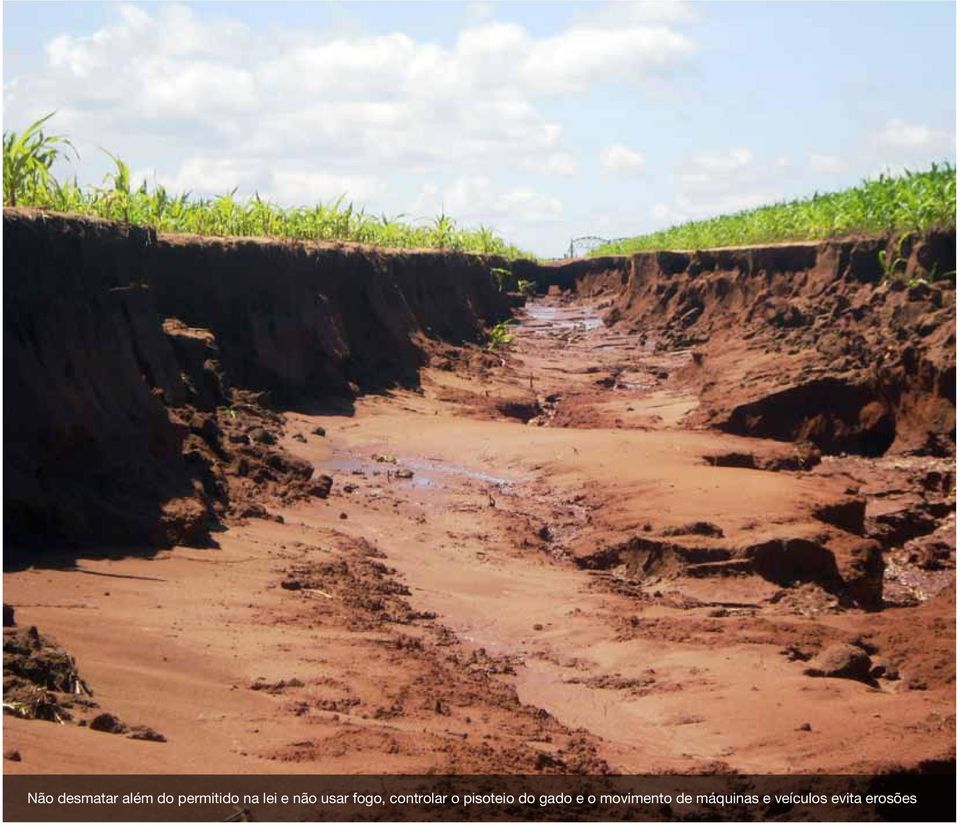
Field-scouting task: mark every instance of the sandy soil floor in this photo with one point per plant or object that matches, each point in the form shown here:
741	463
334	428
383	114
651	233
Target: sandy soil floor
459	604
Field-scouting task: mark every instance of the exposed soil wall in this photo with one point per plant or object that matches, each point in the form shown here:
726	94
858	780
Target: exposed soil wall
810	342
586	276
305	320
124	354
89	447
138	366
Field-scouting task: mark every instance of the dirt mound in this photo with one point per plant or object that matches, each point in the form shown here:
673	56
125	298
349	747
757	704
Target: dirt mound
805	458
108	723
906	505
841	563
811	343
919	642
842	661
40	679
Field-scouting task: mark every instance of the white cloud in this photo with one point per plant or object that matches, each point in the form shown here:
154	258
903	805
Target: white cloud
300	186
898	145
710	164
529	206
477	198
300	114
583	55
826	164
207	175
343	106
899	134
199	90
556	163
297	185
710	184
620	159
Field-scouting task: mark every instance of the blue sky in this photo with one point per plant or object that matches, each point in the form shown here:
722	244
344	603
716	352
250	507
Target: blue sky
544	120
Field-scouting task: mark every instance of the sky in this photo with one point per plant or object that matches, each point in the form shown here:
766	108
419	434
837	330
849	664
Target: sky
544	120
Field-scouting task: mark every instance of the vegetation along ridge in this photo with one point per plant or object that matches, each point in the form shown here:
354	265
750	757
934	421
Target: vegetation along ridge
28	180
895	204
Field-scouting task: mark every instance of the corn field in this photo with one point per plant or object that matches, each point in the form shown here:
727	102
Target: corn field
28	158
912	202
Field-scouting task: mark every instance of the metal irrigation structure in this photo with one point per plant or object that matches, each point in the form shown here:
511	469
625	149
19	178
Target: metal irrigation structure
581	246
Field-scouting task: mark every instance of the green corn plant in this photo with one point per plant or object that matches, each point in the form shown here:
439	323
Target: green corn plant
894	265
116	195
28	158
27	161
935	274
442	231
911	202
889	264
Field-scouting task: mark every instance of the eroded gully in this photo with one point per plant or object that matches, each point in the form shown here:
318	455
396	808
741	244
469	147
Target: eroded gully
485	517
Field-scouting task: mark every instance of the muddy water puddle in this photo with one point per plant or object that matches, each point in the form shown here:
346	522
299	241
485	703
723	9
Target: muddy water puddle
543	317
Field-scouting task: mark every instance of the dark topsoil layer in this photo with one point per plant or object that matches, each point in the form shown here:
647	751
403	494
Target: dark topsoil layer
140	370
143	372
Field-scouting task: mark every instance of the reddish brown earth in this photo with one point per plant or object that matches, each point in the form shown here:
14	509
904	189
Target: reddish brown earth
810	342
535	560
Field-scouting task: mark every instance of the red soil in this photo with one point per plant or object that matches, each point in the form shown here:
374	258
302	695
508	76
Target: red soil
529	561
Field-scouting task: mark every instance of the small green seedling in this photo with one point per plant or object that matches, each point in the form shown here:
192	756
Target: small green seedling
890	265
935	275
501	276
500	336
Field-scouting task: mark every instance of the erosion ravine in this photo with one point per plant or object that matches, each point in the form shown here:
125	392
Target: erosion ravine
611	546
